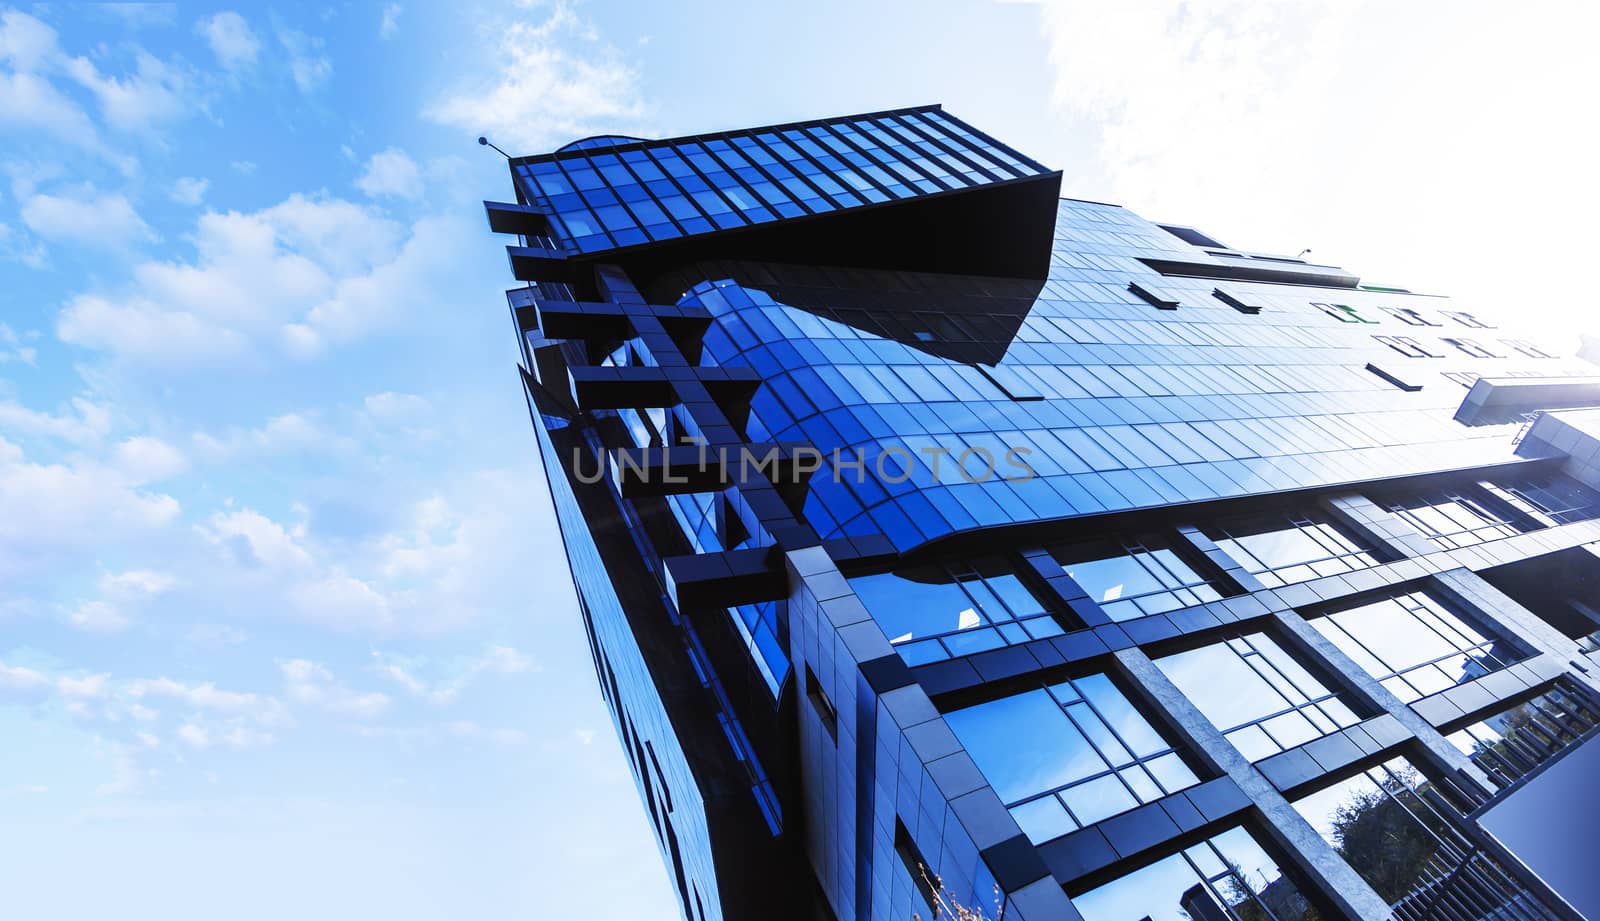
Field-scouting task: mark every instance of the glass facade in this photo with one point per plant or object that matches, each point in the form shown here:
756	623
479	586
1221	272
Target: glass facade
634	192
1116	539
1228	870
1414	644
1279	549
954	609
1089	755
1514	742
1451	519
1135	577
1258	695
1393	827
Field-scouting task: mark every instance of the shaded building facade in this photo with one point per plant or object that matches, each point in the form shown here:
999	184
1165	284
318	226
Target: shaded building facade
942	540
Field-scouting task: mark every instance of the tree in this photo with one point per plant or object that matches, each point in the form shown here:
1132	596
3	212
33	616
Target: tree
1382	840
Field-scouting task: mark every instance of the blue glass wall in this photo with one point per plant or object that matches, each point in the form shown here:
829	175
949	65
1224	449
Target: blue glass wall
1116	405
617	195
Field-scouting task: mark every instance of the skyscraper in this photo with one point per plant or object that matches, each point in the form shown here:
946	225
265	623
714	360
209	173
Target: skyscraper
942	540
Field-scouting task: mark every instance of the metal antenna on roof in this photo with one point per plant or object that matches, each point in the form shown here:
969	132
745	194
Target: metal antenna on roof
1303	252
485	142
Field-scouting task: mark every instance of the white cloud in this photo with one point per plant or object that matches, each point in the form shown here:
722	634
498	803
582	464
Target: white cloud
121	595
86	422
216	636
1357	129
296	431
496	659
152	94
341	601
136	583
194	736
11	344
391	173
31	102
309	65
254	541
90	687
15	678
145	459
555	83
25	42
207	697
89	218
432	565
21	248
190	190
50	508
312	684
391	407
231	39
99	617
389	27
294	278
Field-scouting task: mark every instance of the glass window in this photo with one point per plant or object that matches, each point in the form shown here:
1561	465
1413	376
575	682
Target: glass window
1228	876
1510	744
1282	549
1086	754
1344	313
1527	348
1414	644
936	611
1410	348
1391	826
1450	519
1466	319
1473	348
758	628
1257	694
1557	497
1408	316
1134	578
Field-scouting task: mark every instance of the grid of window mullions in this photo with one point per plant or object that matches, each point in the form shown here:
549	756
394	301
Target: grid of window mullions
1324	535
1005	155
787	179
781	148
954	143
919	138
1462	645
993	614
1485	520
1231	879
913	155
872	136
1182	587
735	163
1115	765
924	155
884	176
1308	706
1555	720
668	176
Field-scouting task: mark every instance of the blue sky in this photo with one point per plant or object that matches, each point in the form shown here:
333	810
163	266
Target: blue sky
285	625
